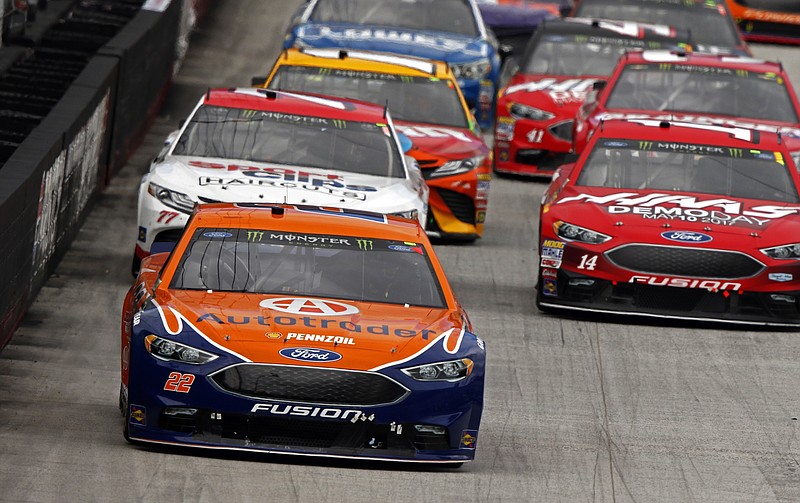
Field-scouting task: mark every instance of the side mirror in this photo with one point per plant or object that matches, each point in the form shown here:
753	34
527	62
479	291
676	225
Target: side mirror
258	81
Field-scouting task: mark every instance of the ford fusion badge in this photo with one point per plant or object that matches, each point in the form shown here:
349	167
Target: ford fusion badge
686	236
310	354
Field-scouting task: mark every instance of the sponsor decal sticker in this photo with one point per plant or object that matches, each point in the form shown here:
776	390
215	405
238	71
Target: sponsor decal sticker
312	307
780	277
550	262
552	243
329	339
549	287
469	439
274	335
686	237
310	354
142	234
404	248
138	415
556	253
710	285
549	273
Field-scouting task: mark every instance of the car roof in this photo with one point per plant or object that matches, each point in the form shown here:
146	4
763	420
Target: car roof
702	59
689	4
307	219
612	28
690	133
296	103
381	62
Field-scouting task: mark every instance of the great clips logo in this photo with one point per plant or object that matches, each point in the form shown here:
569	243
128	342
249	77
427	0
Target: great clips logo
310	354
686	237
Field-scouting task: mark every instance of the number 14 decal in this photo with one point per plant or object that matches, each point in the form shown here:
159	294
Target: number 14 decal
181	383
588	262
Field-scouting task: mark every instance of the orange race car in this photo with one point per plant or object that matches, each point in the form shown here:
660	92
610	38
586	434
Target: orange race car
427	107
767	20
301	330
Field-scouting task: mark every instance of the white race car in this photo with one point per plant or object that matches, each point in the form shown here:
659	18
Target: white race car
257	145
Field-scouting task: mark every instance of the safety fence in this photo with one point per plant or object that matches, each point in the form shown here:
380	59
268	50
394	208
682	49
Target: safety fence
71	113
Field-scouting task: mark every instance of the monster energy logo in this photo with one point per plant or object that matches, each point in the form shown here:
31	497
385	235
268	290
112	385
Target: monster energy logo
653	44
255	235
742	73
406	78
735	152
581	38
339	124
324	71
364	244
249	114
645	145
664	66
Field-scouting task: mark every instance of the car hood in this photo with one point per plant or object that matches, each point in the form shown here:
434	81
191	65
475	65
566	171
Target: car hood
266	328
431	45
618	211
220	180
550	92
442	141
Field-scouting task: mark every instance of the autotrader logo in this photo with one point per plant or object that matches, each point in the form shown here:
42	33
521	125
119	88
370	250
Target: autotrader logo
312	307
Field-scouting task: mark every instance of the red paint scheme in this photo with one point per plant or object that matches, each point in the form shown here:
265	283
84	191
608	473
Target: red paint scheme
594	108
619	290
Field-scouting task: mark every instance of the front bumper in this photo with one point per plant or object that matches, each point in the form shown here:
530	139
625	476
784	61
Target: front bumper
206	416
578	292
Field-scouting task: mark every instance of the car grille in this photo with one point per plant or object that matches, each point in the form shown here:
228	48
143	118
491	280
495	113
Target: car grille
309	384
679	261
280	431
462	207
562	130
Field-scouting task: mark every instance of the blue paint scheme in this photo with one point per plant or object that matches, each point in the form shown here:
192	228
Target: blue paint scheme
457	406
449	47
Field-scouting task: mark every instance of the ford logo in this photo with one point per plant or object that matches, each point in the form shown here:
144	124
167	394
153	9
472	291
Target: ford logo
217	234
686	236
310	354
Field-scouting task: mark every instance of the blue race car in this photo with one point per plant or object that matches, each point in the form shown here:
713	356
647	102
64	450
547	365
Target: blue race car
445	30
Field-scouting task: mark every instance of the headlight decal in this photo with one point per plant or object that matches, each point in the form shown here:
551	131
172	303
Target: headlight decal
449	371
171	198
168	350
571	232
457	167
520	111
785	252
471	70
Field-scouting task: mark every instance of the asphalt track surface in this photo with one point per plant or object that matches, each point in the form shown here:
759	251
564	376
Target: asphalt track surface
576	410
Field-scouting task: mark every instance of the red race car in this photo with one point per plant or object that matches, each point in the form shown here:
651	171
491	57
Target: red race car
706	89
535	111
709	21
675	220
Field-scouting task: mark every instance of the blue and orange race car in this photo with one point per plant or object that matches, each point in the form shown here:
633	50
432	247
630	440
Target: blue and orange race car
301	330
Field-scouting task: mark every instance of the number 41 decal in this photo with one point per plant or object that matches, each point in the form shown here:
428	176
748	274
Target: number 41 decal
181	383
588	263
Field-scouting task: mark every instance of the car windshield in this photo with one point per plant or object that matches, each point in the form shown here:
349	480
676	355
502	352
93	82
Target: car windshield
703	89
773	5
298	140
653	165
705	24
413	99
451	16
580	55
315	265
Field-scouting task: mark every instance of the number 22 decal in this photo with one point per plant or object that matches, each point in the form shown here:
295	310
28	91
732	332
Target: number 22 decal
588	263
181	383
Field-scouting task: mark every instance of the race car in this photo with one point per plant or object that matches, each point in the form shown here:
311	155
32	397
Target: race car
427	107
701	88
555	7
258	145
561	65
711	25
301	330
768	20
680	220
513	22
444	30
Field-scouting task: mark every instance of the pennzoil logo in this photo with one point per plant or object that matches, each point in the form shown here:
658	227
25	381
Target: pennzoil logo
364	244
735	152
257	236
645	145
